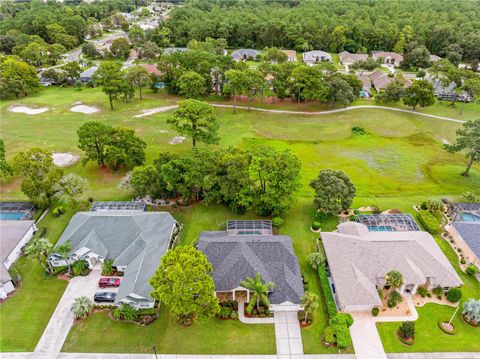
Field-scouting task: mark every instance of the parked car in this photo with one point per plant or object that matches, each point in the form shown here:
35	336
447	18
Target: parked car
105	297
109	282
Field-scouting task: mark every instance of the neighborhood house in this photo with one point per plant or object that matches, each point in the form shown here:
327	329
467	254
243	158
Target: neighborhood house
359	259
134	240
245	54
313	57
14	235
388	58
381	80
348	59
247	248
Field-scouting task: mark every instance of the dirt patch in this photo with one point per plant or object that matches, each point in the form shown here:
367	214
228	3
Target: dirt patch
87	110
177	140
64	159
28	110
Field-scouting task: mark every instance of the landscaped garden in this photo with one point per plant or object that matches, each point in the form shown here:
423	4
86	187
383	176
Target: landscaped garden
399	162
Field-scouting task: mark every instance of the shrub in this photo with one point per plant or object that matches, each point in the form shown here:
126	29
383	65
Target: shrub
277	221
329	334
424	206
316	226
42	231
463	260
438	291
428	221
471	310
341	319
471	270
315	259
407	330
454	294
422	291
234	314
125	311
58	211
79	267
358	131
327	292
375	311
107	267
343	336
224	312
254	312
394	298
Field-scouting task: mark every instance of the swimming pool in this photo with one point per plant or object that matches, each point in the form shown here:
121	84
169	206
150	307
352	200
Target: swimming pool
12	215
469	217
381	229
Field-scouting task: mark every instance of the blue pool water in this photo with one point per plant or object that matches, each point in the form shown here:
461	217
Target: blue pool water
11	215
380	229
469	217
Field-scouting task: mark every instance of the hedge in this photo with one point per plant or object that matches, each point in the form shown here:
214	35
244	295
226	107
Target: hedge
343	336
327	292
428	221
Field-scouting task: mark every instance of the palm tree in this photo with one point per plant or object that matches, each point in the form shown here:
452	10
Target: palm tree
39	248
81	307
64	250
258	290
309	303
394	279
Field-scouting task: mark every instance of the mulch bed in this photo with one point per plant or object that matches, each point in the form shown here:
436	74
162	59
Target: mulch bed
404	341
477	325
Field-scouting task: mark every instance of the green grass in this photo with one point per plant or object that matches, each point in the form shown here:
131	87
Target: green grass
24	316
212	337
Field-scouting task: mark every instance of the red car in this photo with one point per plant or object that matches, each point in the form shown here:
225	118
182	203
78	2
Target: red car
109	282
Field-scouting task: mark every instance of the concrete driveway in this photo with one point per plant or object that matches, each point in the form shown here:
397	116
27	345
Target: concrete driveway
287	335
59	325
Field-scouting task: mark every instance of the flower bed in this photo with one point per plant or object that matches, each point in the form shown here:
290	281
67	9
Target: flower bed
262	312
446	328
228	310
406	341
475	325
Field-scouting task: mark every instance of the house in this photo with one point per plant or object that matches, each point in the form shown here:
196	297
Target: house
152	69
435	58
467	237
381	80
348	59
247	248
388	58
446	92
134	240
367	86
359	259
86	75
291	55
14	235
312	57
170	50
245	54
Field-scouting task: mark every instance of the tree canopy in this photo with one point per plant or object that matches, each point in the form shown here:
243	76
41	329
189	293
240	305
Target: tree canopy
468	140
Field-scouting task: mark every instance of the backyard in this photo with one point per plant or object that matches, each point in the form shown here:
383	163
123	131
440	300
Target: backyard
398	163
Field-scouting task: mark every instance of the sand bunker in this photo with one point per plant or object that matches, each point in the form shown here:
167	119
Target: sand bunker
155	110
63	159
28	110
87	110
176	140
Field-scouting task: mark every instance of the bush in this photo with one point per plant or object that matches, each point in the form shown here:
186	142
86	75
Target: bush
463	260
341	319
42	231
428	221
234	314
438	291
224	312
471	270
315	259
343	336
407	330
375	311
394	298
422	291
327	292
358	131
277	221
58	211
424	206
107	267
454	294
79	267
329	334
316	226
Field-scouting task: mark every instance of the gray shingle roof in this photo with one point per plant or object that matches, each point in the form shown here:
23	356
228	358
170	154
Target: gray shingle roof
134	239
89	72
470	233
11	233
360	262
316	56
234	258
244	53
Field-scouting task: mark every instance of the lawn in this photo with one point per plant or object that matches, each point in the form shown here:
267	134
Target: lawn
24	316
399	163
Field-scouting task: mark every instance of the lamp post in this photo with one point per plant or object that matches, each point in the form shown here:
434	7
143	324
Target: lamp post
155	352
